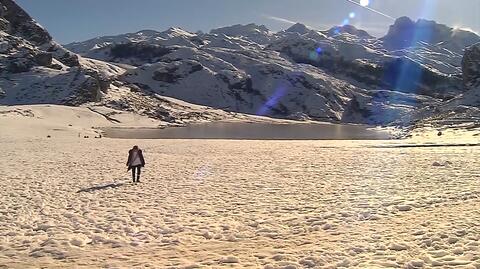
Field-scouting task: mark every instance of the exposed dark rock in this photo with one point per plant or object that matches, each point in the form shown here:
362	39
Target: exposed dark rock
197	41
90	91
44	59
20	23
176	70
256	33
134	88
196	68
167	75
350	29
4	24
56	66
19	66
406	33
141	51
69	59
298	28
354	108
400	74
471	66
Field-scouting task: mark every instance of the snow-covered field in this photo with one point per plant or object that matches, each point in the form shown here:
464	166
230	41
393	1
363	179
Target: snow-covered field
68	202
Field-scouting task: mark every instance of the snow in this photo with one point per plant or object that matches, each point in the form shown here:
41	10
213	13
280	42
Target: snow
68	200
169	37
225	77
204	203
65	122
251	32
323	74
41	85
298	73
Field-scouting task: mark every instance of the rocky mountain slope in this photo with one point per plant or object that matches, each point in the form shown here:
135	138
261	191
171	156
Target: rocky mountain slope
341	75
463	110
35	69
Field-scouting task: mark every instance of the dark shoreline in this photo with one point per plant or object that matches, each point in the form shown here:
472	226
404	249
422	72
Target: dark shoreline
253	131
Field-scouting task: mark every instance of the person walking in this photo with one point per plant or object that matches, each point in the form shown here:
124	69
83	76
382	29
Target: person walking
135	162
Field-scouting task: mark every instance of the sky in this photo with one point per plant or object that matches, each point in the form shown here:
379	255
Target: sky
69	21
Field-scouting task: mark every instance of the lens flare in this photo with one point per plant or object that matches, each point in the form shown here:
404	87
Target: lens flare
364	3
352	15
272	101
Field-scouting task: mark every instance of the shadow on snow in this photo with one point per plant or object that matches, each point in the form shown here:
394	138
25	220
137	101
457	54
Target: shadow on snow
102	187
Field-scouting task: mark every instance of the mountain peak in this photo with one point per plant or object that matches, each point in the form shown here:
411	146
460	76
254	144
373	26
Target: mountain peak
298	28
349	29
237	29
262	27
404	21
175	32
259	34
406	33
15	21
471	66
147	32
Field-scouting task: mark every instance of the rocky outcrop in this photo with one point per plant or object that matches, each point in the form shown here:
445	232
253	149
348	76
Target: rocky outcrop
256	33
471	66
18	23
464	109
405	33
348	29
36	69
142	51
298	28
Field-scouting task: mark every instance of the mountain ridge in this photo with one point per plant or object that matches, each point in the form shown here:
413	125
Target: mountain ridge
341	74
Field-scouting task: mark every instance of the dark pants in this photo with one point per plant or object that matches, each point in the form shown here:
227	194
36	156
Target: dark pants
136	170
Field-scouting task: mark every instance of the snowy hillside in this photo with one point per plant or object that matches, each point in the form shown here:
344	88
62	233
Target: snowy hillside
467	105
35	69
341	75
149	36
436	45
464	109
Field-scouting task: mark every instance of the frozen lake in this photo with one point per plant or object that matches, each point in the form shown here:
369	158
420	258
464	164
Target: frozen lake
255	131
70	203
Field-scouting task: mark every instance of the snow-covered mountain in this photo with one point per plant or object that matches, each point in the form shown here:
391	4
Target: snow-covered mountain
468	104
405	33
462	110
471	66
436	45
172	36
35	69
251	32
342	74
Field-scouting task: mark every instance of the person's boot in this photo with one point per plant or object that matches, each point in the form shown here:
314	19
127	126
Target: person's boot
138	179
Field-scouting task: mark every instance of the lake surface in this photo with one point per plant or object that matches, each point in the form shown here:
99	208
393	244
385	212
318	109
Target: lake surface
254	131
